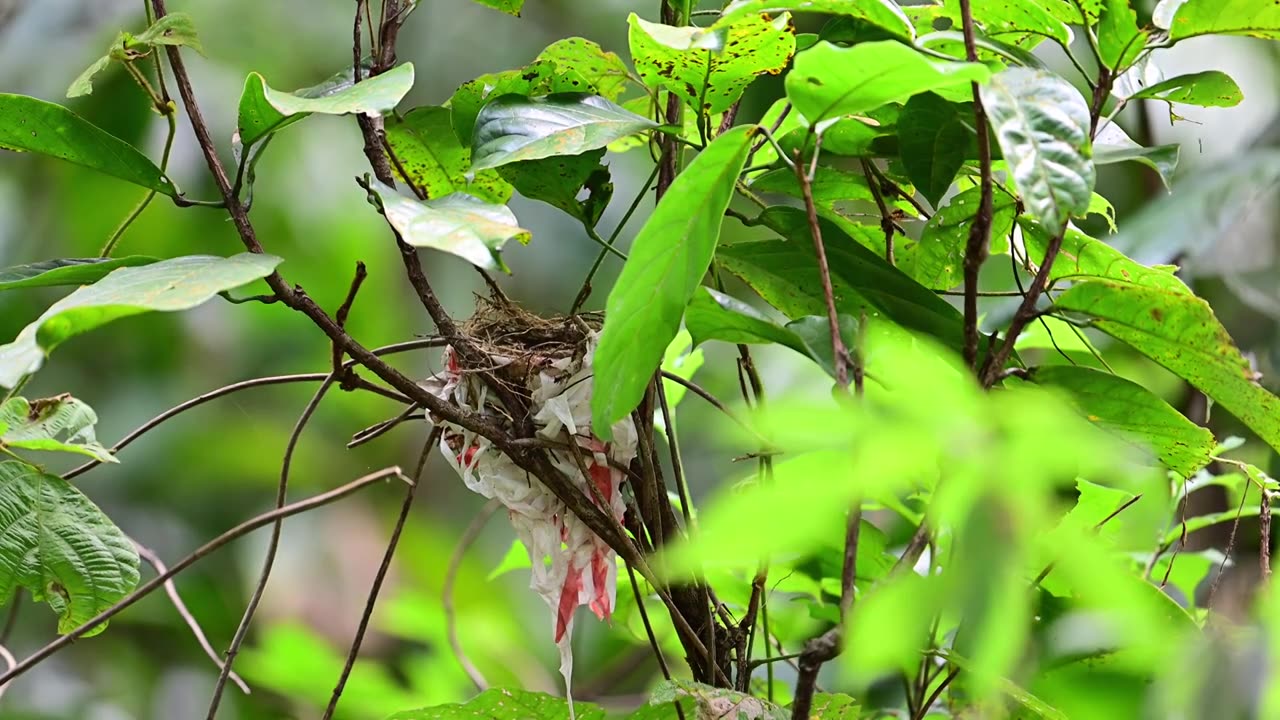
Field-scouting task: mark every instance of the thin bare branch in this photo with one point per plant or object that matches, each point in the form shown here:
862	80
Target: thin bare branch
446	594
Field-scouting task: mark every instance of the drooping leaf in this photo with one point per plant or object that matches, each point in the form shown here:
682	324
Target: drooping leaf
560	181
1083	257
938	262
1180	332
166	286
83	84
264	111
1074	12
31	125
1120	40
829	81
56	424
1258	18
1042	124
510	7
505	704
883	14
511	128
668	258
828	187
434	160
710	79
1016	22
1134	413
66	271
1210	88
933	140
1113	145
459	224
173	29
59	546
785	274
606	72
541	77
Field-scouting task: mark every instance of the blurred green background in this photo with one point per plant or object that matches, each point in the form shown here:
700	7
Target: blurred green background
207	470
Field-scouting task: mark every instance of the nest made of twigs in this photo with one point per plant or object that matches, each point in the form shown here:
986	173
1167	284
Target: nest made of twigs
520	343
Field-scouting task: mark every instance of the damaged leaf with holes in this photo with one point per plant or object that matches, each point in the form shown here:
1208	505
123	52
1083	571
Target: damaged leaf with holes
56	424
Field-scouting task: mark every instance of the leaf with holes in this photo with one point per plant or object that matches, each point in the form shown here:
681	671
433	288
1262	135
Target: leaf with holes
829	81
1120	40
31	125
433	160
1074	12
606	72
1083	257
1258	18
61	547
459	224
668	258
264	111
559	182
1021	23
1113	145
173	29
512	128
933	141
1134	413
166	286
1042	124
510	7
711	79
883	14
1210	88
938	262
56	424
66	271
1180	332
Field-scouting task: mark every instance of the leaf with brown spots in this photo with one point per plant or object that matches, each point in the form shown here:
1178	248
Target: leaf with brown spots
1210	88
1083	257
605	71
884	14
433	159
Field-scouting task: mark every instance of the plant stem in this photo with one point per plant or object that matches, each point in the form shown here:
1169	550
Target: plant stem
841	355
977	247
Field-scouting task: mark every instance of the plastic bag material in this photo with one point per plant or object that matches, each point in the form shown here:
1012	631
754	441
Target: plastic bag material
583	569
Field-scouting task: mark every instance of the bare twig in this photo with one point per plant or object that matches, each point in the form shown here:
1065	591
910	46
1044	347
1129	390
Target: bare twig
840	354
886	220
1264	536
976	248
171	590
446	593
9	660
157	582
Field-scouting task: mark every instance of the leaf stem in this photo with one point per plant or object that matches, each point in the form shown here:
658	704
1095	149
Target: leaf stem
585	291
170	115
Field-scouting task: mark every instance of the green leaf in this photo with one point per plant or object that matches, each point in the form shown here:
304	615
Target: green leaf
264	111
1074	12
65	271
1030	702
511	128
1084	257
510	7
505	704
668	258
31	125
883	14
933	138
56	424
1120	41
1026	22
1134	413
83	84
465	226
714	702
1113	145
559	181
710	79
814	332
1210	88
785	274
606	72
517	558
834	706
166	286
830	81
175	29
829	186
680	360
1180	332
938	262
435	162
541	77
1042	124
61	547
1259	18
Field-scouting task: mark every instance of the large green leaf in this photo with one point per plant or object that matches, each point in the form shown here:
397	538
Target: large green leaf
785	274
1259	18
830	81
1074	12
1180	332
58	545
1211	88
510	7
1042	124
167	286
505	704
1017	22
541	77
933	140
460	224
31	125
559	181
1120	40
668	258
1083	257
938	262
264	110
65	271
1113	145
884	14
828	187
1134	413
711	79
713	702
511	128
434	160
56	424
606	72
